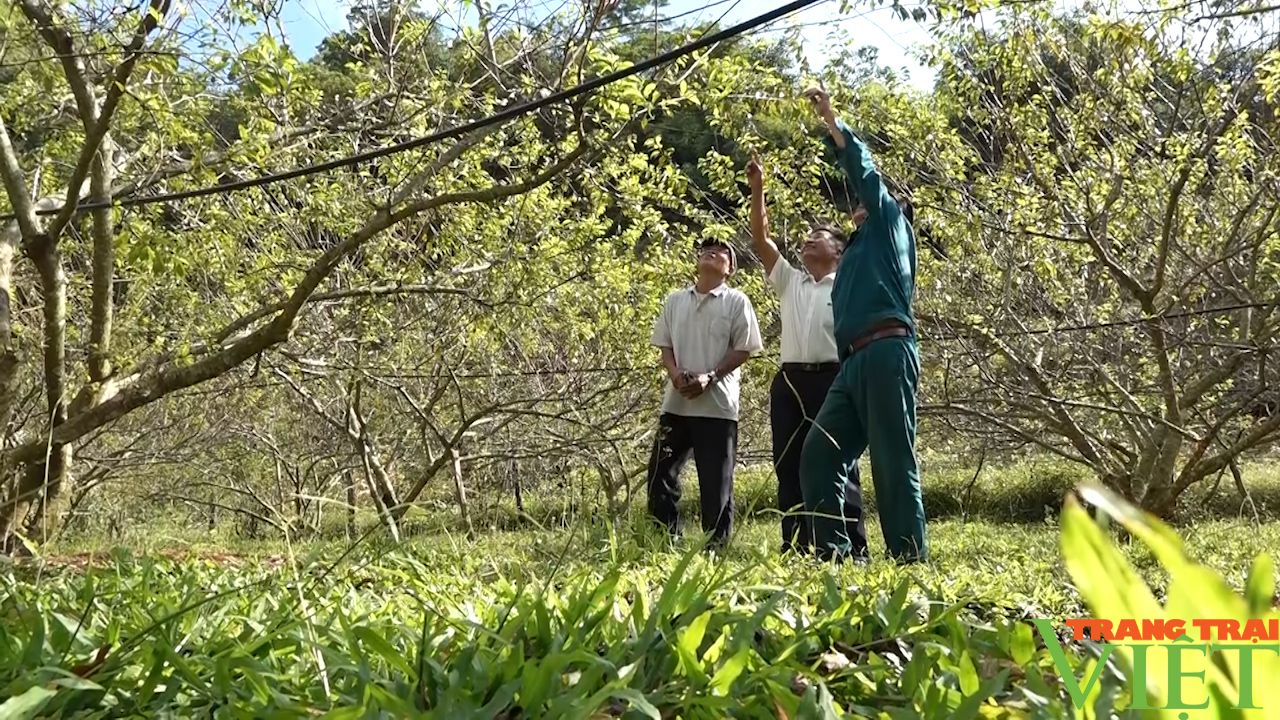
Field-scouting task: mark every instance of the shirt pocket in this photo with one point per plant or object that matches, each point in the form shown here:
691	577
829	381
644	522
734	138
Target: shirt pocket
722	329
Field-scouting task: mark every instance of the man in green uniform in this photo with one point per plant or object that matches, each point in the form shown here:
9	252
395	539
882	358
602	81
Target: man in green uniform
872	403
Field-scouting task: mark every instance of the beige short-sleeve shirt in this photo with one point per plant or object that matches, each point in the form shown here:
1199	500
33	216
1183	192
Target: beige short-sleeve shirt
701	330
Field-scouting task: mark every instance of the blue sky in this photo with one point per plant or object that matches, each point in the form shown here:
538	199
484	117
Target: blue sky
307	22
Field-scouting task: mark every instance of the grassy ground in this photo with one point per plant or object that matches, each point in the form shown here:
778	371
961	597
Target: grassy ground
573	621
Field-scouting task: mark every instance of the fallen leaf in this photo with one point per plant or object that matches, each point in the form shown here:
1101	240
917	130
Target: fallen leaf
92	666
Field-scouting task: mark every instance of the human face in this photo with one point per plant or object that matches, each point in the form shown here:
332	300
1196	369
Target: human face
714	260
820	248
859	214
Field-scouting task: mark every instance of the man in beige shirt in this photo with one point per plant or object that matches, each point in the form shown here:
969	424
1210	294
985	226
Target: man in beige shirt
810	361
706	331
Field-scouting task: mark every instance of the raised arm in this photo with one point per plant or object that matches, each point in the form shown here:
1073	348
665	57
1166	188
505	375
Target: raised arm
855	157
765	248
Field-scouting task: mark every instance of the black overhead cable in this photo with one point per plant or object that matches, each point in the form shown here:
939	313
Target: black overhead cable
455	131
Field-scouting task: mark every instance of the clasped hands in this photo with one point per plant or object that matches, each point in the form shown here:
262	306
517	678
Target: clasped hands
690	385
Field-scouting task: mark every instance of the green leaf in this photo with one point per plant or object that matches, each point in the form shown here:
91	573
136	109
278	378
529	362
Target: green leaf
35	644
967	674
969	708
690	639
638	701
346	713
1023	647
892	610
380	646
1161	538
729	672
1260	589
73	682
26	705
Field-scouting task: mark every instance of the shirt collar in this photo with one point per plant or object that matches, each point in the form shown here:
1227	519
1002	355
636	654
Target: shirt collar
808	276
717	292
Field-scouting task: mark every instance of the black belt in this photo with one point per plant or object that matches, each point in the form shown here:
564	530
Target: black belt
810	367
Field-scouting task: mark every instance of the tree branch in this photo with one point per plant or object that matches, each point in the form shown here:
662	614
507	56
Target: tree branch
15	186
72	62
102	121
1175	195
1008	427
375	291
147	387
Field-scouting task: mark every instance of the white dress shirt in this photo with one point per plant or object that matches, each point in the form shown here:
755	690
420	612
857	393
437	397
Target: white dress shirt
808	327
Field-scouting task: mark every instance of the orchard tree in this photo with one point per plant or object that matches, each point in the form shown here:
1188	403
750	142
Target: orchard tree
112	310
1121	186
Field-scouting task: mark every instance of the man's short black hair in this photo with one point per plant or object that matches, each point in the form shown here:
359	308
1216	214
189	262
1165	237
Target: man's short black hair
831	229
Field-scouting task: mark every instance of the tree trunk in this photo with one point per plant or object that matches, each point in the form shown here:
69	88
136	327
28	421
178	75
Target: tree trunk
376	477
12	485
379	482
299	505
1158	497
46	477
351	505
513	473
461	491
103	263
8	352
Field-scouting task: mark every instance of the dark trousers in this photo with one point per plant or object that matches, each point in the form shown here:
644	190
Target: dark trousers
794	400
871	406
714	445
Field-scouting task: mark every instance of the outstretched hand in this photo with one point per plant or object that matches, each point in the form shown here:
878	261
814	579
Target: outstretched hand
755	174
821	102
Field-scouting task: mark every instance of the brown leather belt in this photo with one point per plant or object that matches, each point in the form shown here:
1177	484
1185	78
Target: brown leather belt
893	328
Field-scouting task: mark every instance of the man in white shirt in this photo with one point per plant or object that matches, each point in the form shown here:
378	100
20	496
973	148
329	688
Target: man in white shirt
706	331
810	362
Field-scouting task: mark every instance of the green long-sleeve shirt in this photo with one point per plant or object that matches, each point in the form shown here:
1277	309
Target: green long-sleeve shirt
875	280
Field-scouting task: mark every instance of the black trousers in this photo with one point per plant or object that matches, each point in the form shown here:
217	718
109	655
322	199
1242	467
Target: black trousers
794	400
714	445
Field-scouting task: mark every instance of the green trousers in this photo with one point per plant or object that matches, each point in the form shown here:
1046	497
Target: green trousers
871	406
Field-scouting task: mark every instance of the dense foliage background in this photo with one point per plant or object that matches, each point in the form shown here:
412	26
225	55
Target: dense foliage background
266	391
468	321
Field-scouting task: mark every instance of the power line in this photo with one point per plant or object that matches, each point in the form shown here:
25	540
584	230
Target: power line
455	131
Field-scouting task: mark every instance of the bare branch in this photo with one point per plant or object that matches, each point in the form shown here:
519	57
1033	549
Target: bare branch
102	119
16	187
72	62
370	292
1238	12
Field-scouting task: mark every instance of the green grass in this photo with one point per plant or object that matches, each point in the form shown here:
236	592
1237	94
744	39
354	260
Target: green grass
564	623
576	620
